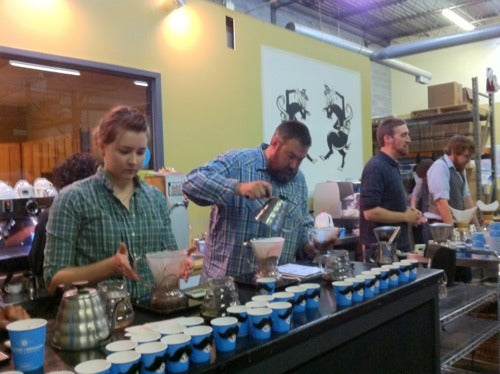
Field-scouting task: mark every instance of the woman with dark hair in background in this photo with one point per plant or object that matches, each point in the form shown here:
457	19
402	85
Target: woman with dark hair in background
75	167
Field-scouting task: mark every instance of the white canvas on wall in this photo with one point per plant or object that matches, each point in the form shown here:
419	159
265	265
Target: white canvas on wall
325	97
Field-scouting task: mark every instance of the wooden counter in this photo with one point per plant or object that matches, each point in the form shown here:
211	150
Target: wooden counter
395	332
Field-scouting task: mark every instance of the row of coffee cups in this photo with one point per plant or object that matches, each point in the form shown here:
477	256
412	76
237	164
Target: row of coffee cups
369	283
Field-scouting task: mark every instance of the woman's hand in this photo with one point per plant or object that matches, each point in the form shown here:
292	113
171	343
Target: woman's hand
121	264
12	313
188	264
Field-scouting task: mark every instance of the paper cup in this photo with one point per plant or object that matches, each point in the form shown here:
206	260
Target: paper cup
266	285
384	278
413	268
93	367
342	291
145	337
283	296
27	339
255	304
170	329
260	323
358	286
393	272
225	332
369	285
312	294
191	321
201	342
404	272
264	298
299	298
240	313
153	357
120	345
124	362
281	316
178	351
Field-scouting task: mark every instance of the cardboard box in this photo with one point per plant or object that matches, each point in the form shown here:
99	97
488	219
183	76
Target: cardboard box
444	94
467	95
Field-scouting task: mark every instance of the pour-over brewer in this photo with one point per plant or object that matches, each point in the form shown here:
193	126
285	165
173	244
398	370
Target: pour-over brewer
267	251
386	252
166	267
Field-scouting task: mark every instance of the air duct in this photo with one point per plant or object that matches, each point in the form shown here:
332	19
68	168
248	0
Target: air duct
421	76
437	43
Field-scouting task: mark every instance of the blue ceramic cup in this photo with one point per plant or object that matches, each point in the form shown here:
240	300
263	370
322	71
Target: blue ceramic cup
393	271
120	345
375	273
266	285
342	291
178	351
27	339
124	362
260	323
225	332
153	357
369	282
312	294
240	313
413	264
93	367
358	286
281	316
299	298
201	342
255	304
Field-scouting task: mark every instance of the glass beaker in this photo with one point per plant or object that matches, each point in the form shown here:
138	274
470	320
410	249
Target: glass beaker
221	293
112	292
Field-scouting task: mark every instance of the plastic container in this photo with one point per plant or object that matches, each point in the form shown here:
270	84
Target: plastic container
323	219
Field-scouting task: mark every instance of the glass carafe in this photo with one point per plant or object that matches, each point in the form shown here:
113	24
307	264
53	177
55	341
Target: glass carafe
112	291
336	265
221	293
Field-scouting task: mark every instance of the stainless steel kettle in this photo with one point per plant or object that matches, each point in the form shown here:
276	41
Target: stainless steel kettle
81	321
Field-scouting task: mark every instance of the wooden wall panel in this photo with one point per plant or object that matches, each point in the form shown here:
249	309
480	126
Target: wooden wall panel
10	162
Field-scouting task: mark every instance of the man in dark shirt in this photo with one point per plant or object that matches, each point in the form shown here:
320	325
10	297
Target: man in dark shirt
383	196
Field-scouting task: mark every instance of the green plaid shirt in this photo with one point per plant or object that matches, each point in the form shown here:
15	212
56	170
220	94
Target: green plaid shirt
87	223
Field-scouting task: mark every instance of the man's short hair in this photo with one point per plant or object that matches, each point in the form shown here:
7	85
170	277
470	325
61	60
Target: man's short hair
386	127
459	144
294	129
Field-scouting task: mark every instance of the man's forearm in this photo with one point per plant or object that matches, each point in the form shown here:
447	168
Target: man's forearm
444	211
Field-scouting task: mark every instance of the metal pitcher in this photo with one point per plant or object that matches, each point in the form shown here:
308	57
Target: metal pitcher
82	321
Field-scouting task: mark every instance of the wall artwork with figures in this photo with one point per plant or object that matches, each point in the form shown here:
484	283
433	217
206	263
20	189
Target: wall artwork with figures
327	99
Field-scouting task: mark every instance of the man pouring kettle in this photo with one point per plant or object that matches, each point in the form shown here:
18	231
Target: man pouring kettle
236	184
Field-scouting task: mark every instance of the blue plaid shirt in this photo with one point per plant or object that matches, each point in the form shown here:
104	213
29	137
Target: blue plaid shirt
232	217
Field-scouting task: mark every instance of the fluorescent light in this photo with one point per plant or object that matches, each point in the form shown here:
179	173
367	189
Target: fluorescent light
52	69
457	20
141	83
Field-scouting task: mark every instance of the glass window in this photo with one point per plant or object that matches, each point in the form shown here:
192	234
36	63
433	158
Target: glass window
45	116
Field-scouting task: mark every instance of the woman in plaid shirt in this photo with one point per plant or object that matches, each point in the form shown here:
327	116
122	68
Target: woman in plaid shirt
98	225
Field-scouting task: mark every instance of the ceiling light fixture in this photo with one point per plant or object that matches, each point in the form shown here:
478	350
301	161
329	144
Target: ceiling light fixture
52	69
457	20
141	83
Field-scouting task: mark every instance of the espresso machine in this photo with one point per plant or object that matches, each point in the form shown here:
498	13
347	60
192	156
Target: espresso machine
18	218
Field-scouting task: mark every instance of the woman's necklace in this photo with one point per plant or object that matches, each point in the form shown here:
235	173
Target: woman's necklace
124	197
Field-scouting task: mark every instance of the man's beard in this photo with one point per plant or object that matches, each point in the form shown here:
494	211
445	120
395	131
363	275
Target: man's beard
282	175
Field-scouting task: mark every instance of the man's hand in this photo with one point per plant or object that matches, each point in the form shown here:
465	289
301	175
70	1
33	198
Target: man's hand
413	216
121	264
254	190
188	264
